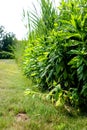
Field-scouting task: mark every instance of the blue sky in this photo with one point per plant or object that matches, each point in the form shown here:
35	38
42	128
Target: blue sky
11	12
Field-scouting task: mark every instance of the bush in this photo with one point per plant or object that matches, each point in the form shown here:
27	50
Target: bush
6	55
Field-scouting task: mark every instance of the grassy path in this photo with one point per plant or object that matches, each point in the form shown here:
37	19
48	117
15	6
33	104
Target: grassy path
17	111
20	112
12	86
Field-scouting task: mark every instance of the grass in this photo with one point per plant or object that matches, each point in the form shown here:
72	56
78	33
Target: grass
41	114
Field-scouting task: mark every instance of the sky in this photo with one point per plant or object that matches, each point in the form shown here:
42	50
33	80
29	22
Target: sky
11	15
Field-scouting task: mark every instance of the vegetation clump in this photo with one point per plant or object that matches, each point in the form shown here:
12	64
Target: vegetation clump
56	52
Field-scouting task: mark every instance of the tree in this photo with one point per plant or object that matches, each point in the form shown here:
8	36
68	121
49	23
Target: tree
1	36
6	40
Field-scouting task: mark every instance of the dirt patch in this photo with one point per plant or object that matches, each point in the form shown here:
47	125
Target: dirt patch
22	117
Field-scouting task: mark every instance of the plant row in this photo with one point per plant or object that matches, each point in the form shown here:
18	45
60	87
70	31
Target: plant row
55	56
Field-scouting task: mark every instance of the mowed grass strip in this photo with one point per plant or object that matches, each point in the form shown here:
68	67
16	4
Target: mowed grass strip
20	112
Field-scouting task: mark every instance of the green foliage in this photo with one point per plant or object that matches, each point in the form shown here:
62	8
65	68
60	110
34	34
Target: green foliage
57	51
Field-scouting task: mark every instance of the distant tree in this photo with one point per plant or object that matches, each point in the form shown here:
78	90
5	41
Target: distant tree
1	36
6	39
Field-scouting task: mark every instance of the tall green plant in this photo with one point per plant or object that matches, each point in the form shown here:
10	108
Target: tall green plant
57	50
74	35
36	53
